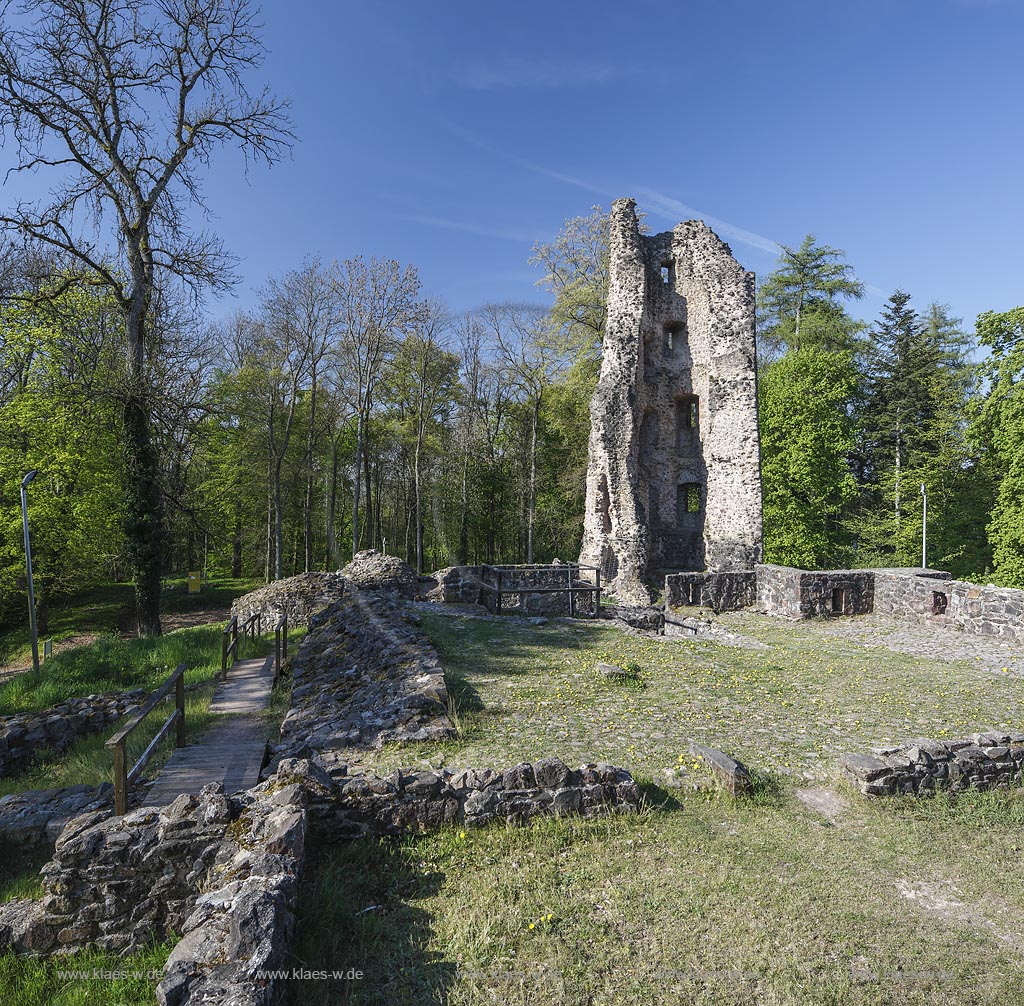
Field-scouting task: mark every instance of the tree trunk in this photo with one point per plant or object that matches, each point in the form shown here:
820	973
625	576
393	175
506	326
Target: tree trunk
278	523
143	510
532	502
356	489
236	548
333	560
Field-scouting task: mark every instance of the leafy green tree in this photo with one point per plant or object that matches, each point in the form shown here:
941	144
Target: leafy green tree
123	104
998	425
806	436
56	415
801	302
576	272
913	425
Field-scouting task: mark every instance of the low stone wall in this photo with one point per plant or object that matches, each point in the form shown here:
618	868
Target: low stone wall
243	922
363	677
933	597
982	761
724	591
456	585
34	819
223	871
300	597
538	576
798	593
118	883
23	735
362	804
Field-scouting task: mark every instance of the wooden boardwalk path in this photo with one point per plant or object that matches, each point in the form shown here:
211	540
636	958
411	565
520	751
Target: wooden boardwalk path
232	750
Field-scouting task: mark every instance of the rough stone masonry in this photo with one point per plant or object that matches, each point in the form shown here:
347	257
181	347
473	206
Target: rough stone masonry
674	475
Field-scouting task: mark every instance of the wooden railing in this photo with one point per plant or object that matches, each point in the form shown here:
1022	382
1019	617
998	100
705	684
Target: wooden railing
123	776
231	636
252	628
280	644
502	581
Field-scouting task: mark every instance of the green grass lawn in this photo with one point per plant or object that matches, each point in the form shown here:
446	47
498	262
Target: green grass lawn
701	899
106	609
84	979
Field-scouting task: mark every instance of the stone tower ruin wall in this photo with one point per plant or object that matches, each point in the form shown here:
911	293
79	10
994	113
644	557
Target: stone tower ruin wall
674	479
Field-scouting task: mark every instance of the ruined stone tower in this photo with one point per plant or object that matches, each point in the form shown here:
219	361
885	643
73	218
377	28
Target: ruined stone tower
674	478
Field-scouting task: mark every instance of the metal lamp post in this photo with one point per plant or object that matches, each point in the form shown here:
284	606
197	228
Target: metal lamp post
924	527
28	565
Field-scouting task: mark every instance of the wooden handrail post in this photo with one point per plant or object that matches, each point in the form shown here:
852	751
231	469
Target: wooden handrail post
120	780
179	702
284	632
568	570
224	655
597	595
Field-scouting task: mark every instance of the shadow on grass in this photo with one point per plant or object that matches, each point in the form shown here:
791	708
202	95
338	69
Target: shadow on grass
19	873
357	914
656	798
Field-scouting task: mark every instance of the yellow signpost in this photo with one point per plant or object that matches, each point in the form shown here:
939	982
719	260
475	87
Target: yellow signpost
194	583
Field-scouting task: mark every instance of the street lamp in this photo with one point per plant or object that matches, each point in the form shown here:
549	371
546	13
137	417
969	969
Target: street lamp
924	527
28	565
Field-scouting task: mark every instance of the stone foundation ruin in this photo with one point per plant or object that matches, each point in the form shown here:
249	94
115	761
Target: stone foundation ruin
674	476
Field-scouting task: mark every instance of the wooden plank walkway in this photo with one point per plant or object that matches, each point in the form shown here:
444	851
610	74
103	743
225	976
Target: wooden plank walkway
231	751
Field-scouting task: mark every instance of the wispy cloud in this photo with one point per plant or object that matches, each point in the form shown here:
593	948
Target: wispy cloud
654	202
516	72
443	223
672	209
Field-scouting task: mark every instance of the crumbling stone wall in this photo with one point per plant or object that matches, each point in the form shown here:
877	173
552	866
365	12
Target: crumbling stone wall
223	871
933	597
798	593
365	803
373	570
729	591
982	761
23	735
299	597
673	481
365	675
549	577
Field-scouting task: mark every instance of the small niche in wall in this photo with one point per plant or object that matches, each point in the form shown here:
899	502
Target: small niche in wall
939	602
604	504
687	424
675	334
688	501
838	600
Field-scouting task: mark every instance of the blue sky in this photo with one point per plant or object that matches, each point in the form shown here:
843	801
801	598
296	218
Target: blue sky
452	135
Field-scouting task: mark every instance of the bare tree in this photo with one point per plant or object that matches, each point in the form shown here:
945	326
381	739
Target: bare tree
124	101
533	354
375	302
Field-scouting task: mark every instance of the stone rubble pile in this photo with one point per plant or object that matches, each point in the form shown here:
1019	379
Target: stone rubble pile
989	760
23	735
373	570
363	677
299	597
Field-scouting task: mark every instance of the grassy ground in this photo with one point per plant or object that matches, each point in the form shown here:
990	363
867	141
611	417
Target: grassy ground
702	899
106	609
86	979
525	691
